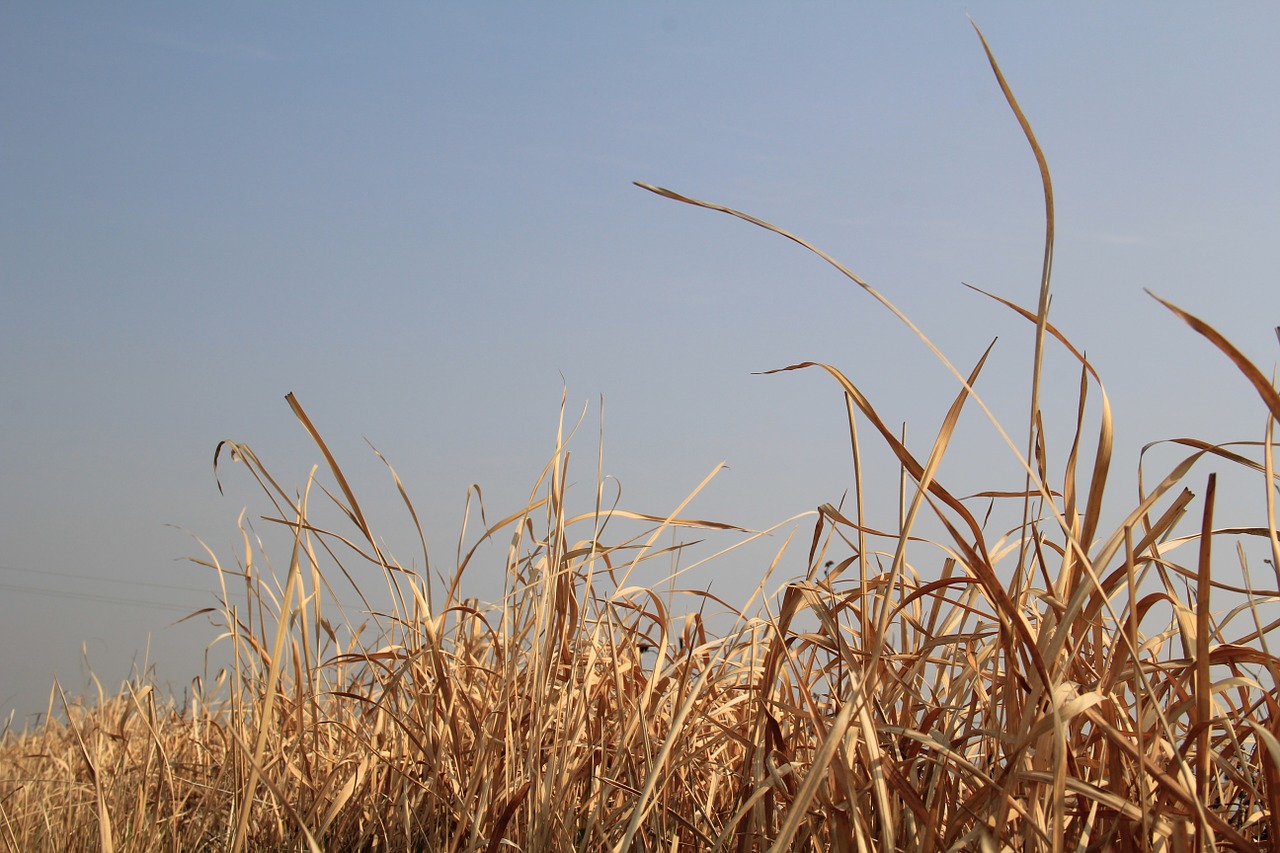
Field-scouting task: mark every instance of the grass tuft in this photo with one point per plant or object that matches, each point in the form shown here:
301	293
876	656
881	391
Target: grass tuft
1061	684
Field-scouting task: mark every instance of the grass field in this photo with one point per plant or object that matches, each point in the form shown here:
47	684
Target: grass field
1068	683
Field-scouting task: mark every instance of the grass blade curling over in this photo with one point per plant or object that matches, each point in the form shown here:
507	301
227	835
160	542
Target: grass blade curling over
1068	681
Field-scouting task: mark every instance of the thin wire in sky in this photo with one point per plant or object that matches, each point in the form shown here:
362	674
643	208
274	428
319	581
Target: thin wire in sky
99	598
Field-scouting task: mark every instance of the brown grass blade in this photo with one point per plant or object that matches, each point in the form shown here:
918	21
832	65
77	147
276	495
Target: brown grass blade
1203	686
352	504
1046	271
271	685
1265	390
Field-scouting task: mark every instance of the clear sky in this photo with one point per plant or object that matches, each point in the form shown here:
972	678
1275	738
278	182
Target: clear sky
420	219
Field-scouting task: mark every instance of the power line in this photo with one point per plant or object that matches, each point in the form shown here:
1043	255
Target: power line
101	599
80	595
97	579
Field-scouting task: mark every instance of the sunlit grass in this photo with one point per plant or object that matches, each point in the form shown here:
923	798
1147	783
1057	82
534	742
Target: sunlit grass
1070	683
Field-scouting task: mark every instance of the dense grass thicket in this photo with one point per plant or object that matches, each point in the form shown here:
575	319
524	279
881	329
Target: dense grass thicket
1068	683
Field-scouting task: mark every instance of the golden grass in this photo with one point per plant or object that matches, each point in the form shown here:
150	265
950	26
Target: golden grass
1059	686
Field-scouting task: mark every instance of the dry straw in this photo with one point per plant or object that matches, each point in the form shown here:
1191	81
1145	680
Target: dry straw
1060	686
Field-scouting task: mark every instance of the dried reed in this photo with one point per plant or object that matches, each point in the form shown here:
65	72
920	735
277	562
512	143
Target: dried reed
1028	694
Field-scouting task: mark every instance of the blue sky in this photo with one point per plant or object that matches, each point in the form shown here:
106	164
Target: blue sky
420	219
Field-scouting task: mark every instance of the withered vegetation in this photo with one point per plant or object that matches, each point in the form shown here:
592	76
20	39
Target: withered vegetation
1070	683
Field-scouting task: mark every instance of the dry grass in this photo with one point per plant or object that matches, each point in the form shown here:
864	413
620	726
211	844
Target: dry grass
1063	685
